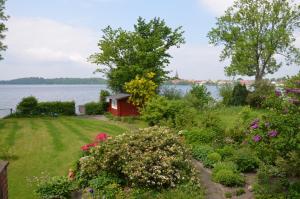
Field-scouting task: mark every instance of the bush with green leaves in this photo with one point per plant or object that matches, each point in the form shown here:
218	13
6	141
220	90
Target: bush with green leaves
55	108
199	135
30	106
105	186
200	152
245	159
172	113
239	95
226	173
152	157
54	187
171	93
94	108
262	90
226	152
212	159
226	94
27	106
198	97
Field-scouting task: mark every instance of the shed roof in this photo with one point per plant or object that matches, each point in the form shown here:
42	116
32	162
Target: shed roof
118	96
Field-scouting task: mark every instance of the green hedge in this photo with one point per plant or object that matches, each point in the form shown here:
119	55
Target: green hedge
94	108
53	108
29	106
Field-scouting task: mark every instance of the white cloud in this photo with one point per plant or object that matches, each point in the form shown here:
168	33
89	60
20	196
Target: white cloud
38	43
216	6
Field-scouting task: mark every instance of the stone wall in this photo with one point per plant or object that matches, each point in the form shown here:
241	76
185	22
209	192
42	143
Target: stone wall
3	180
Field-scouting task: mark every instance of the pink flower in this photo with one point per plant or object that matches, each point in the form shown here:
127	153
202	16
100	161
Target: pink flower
101	137
256	138
273	133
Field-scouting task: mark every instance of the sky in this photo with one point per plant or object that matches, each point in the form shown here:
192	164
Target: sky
54	38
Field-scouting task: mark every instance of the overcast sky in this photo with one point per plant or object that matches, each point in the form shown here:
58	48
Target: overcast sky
53	38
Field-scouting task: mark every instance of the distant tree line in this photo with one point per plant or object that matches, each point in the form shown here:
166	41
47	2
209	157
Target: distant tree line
39	80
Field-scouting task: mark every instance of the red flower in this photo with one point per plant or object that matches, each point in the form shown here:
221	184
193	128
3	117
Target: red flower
85	147
88	146
101	137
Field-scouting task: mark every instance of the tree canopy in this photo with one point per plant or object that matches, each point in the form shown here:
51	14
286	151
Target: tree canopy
258	36
3	18
125	54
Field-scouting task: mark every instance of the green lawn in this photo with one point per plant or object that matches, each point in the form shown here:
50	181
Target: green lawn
48	145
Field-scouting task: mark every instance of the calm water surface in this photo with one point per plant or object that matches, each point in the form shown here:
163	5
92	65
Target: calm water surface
11	95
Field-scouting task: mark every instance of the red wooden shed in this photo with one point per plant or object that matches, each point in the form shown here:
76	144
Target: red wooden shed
119	105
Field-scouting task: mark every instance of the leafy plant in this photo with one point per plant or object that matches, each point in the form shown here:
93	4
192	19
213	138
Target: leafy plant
239	95
226	94
171	93
152	157
27	106
54	187
94	108
262	90
245	159
141	89
198	97
227	174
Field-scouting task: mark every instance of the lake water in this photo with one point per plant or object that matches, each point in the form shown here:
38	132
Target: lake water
11	95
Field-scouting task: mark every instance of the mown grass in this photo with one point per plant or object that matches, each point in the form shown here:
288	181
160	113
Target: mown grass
49	145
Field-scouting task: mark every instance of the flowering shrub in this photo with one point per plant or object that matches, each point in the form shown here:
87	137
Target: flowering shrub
274	136
152	157
101	137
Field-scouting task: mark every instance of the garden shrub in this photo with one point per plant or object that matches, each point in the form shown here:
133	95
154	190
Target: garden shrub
173	113
171	93
198	97
199	136
262	90
239	95
200	152
245	160
226	173
27	106
30	106
152	157
228	178
212	159
226	94
94	108
54	187
276	135
55	108
105	186
226	152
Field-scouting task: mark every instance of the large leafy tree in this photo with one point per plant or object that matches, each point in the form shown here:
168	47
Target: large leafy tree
125	54
3	18
256	34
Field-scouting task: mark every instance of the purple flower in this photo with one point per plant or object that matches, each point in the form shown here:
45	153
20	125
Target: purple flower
91	191
256	138
254	126
273	133
278	93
